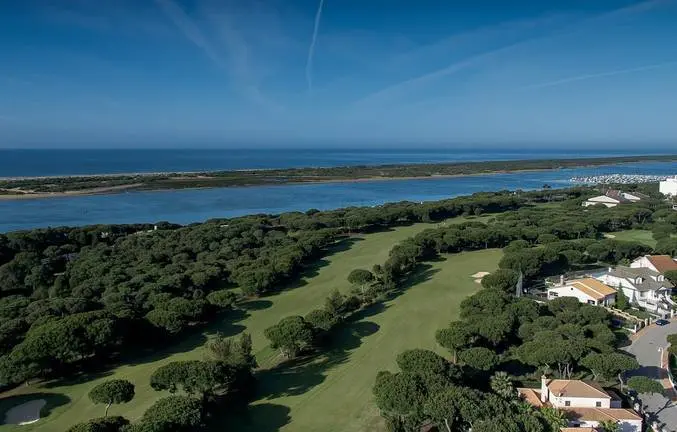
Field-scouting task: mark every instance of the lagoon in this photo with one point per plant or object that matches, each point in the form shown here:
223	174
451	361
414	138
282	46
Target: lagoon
196	205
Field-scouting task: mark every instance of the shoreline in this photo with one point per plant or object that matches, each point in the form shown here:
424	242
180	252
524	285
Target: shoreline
276	177
135	188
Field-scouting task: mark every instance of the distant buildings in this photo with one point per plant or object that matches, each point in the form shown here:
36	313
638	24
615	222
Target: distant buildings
668	187
585	404
612	198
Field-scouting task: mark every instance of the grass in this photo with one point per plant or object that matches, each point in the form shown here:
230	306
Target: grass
641	236
333	392
308	293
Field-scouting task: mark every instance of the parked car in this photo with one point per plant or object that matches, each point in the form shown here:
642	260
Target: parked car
662	322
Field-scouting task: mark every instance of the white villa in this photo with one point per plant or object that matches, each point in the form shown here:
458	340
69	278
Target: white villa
588	290
585	403
657	263
668	187
612	198
642	286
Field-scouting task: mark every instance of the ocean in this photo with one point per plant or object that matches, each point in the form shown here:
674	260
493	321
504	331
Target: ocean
187	206
15	163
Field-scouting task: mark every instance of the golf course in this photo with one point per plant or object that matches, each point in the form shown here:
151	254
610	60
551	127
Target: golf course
641	236
336	383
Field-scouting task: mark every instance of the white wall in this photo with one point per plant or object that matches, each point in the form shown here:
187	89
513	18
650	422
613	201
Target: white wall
616	282
567	291
602	199
668	187
560	402
642	262
631	197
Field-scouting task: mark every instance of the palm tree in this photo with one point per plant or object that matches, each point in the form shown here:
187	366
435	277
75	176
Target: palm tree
502	385
554	418
609	426
524	407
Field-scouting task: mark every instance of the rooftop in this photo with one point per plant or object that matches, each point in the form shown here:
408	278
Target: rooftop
617	195
602	414
576	388
662	263
648	275
532	396
593	288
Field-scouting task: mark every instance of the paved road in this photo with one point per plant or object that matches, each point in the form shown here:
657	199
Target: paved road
646	349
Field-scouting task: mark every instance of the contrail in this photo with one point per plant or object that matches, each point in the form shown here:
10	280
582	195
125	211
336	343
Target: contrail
597	75
311	49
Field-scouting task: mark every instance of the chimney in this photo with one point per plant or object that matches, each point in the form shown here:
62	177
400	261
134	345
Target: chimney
544	389
561	280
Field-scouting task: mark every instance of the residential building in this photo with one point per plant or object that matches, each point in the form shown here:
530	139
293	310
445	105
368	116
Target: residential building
642	286
585	404
657	263
668	187
588	290
612	198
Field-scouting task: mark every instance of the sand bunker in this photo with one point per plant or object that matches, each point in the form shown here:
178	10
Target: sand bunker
26	413
609	235
479	275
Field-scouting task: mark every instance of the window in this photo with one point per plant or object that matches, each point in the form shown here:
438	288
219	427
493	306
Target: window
567	403
598	404
554	294
592	302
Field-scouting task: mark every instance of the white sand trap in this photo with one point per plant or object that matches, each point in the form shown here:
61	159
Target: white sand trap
478	281
479	275
609	235
26	413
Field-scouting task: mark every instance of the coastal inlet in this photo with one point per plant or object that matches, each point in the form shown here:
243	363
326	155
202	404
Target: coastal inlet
619	179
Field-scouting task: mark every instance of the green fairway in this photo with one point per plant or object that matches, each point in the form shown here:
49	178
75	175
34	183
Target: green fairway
328	274
641	236
333	392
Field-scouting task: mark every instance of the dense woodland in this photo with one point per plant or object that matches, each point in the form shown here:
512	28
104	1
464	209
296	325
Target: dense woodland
289	175
91	285
69	296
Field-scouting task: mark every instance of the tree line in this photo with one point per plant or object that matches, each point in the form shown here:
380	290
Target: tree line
57	284
537	242
172	278
200	391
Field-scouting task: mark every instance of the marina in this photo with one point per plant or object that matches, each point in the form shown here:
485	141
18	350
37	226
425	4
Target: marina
619	179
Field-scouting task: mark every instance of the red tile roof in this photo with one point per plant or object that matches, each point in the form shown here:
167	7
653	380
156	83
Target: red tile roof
662	263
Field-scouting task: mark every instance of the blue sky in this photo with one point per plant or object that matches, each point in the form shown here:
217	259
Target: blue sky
248	72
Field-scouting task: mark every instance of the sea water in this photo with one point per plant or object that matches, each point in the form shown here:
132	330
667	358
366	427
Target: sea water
187	206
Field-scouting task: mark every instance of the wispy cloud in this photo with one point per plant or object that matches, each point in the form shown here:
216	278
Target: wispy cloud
311	49
403	87
104	16
406	85
191	31
236	64
585	77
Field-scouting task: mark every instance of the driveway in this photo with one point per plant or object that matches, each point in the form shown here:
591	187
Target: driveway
645	347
